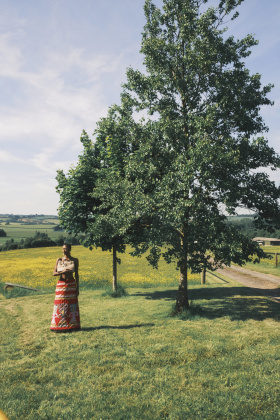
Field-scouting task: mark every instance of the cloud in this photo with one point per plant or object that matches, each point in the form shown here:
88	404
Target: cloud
13	58
48	161
50	108
8	157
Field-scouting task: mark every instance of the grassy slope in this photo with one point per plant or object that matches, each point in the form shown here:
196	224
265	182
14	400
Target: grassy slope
132	361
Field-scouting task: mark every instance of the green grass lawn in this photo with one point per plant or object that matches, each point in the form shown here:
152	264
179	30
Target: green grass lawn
131	360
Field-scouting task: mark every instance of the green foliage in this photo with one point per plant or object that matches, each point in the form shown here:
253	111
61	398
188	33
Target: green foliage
39	240
206	118
76	203
3	233
58	228
247	227
10	244
93	193
168	179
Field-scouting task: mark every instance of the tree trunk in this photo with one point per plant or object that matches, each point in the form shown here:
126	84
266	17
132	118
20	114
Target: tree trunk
182	298
114	268
203	276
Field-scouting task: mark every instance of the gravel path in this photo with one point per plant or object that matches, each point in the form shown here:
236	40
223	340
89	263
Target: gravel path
267	284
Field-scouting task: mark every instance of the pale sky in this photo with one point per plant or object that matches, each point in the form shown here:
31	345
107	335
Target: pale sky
63	62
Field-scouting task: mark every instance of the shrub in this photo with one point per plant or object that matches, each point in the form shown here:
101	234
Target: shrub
10	245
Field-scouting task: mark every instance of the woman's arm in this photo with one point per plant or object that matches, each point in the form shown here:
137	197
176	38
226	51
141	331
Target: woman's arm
55	273
77	275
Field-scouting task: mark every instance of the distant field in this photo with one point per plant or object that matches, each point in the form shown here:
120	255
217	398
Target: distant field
18	231
21	230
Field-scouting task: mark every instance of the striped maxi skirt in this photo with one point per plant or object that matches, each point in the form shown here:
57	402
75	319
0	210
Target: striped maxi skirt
66	315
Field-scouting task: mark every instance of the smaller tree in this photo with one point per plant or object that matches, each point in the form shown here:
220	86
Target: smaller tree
3	234
92	193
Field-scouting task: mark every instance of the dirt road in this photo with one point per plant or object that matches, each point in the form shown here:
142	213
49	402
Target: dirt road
267	284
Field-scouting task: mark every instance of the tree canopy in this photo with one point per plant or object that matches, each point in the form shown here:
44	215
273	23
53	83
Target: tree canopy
206	107
166	182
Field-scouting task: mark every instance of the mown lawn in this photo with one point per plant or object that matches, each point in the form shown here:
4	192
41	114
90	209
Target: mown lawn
131	360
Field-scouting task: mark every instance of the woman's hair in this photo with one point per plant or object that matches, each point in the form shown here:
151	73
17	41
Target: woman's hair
68	246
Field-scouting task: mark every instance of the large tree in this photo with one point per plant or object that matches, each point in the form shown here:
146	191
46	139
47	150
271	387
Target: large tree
203	160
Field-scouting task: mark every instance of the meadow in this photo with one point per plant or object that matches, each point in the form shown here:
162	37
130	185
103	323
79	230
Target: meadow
34	268
46	224
132	359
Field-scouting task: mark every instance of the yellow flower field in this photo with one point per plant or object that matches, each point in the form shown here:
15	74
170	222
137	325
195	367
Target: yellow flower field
34	268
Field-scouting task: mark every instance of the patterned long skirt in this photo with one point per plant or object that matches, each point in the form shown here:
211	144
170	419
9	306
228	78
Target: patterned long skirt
66	316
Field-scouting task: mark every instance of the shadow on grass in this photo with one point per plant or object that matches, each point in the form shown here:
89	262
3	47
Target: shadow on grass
116	327
238	303
157	295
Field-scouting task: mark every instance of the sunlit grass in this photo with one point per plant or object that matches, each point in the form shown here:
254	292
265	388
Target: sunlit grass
131	360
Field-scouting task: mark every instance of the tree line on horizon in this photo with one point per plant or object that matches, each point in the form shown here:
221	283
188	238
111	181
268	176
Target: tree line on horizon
182	148
245	224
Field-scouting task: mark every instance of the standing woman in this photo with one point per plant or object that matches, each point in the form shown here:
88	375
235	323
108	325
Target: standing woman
66	316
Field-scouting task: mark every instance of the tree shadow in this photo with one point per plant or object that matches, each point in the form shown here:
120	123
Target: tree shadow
116	327
237	303
239	308
209	293
157	295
